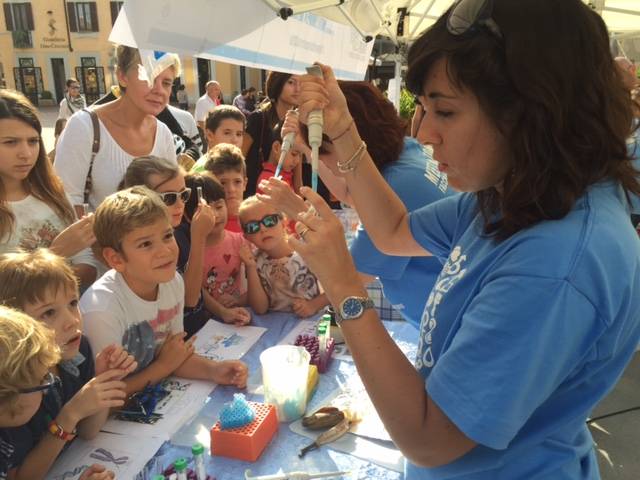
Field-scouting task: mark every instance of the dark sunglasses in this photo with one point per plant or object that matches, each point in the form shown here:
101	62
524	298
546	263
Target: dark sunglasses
268	221
48	382
169	198
468	15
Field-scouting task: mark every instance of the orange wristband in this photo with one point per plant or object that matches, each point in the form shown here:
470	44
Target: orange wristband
57	431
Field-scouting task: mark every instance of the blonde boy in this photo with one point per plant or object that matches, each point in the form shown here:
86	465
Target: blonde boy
138	303
226	163
82	391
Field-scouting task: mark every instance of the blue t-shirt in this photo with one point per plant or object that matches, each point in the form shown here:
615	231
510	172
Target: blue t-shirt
520	339
416	180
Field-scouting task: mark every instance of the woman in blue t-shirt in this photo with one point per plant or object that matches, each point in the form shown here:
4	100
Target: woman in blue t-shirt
535	313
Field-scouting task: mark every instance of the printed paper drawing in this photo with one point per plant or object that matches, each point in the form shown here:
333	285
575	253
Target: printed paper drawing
126	456
219	341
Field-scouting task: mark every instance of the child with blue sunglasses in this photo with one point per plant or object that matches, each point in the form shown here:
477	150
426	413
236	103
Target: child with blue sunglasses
277	277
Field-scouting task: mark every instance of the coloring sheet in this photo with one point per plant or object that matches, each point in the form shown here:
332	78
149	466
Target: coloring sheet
220	341
126	456
184	400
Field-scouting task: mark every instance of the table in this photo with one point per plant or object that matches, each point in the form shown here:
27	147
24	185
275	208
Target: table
282	451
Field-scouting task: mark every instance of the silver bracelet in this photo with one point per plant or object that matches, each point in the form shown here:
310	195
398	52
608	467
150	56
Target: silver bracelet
351	164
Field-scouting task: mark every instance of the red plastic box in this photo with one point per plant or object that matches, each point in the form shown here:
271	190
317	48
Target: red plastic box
246	443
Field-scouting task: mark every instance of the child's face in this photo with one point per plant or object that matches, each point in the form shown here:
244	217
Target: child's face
220	209
234	184
19	149
26	405
149	256
267	238
175	185
58	309
229	130
291	160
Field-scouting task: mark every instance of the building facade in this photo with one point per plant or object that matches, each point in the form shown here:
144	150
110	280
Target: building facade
44	42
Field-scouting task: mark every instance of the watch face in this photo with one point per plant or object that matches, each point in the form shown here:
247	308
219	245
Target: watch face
351	308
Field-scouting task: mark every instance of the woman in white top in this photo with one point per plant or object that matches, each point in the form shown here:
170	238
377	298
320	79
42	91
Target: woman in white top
34	211
73	100
128	129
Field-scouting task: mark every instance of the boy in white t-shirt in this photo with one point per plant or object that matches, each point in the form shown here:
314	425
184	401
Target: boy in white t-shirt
138	304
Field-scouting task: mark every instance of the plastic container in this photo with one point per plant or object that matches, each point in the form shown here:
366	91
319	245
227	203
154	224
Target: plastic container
246	443
197	450
285	373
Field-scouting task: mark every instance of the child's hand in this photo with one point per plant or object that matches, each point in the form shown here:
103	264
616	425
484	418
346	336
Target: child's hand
303	308
227	301
279	195
174	351
237	315
115	357
103	391
246	256
203	221
97	472
75	237
231	372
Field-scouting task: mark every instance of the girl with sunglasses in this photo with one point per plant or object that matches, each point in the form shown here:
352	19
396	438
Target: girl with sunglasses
277	277
536	312
168	180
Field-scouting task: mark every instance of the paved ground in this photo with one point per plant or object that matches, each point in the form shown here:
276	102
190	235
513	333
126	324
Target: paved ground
617	437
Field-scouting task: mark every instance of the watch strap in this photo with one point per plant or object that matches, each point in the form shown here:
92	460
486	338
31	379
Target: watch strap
365	302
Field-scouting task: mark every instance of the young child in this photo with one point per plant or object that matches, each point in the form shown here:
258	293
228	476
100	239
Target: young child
43	286
168	180
291	171
277	277
34	210
225	124
226	163
220	277
139	302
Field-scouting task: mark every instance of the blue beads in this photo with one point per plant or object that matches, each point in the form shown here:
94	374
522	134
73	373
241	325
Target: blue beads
236	413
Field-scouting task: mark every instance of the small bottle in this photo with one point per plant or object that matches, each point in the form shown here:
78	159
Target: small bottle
181	468
198	459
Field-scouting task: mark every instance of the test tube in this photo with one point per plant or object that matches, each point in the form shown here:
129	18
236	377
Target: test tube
85	209
181	468
199	193
198	459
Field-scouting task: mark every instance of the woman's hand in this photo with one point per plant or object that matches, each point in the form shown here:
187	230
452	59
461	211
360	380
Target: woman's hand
323	247
280	196
74	238
324	94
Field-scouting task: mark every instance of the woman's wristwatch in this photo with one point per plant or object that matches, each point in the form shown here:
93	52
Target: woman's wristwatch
353	307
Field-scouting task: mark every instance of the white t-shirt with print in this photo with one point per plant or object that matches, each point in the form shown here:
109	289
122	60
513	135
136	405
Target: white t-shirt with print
114	314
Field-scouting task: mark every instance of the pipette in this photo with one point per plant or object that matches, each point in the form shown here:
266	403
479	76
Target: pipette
287	143
314	123
293	475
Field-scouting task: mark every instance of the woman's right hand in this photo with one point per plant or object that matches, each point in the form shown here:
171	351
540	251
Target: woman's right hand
279	195
75	237
203	220
324	94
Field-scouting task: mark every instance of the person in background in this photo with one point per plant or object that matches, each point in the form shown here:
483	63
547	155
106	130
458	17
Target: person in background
246	101
535	314
128	129
207	102
182	97
57	131
73	100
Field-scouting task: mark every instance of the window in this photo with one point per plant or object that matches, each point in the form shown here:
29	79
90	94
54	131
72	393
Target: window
115	10
83	16
18	16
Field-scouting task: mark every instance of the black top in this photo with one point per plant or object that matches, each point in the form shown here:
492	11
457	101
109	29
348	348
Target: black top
17	442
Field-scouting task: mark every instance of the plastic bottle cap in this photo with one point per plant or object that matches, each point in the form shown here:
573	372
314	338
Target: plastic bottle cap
322	329
197	449
326	317
180	464
158	477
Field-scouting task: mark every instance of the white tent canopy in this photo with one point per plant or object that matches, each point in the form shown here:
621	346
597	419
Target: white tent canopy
371	17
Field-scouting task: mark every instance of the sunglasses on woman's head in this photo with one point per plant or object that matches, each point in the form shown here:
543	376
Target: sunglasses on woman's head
467	15
170	198
268	221
48	382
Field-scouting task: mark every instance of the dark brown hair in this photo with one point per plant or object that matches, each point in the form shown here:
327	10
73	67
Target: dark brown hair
275	83
41	182
222	112
551	88
212	191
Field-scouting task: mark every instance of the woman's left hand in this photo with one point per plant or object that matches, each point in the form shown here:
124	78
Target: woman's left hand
323	247
278	194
